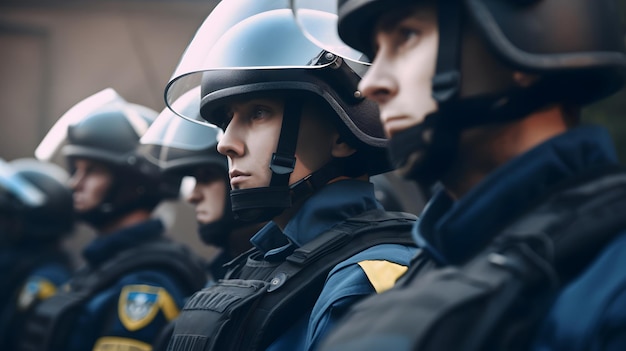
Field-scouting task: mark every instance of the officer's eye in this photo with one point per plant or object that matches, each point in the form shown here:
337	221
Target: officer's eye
260	112
406	35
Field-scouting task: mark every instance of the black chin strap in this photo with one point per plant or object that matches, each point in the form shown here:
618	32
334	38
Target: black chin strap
263	204
447	79
424	152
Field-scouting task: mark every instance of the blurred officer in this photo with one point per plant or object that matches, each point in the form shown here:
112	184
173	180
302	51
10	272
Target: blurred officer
301	147
135	279
36	214
182	148
485	97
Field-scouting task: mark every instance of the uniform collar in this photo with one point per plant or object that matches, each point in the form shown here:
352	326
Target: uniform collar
453	230
331	205
106	246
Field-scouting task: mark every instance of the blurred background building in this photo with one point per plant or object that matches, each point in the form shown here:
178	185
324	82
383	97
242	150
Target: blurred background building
54	53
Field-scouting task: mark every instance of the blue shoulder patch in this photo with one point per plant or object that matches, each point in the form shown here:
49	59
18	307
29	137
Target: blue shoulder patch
139	305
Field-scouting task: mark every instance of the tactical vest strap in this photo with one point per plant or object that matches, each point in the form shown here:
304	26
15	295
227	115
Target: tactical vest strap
47	329
250	314
496	300
298	282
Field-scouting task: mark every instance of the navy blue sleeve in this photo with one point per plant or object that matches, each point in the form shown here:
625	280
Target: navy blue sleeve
590	313
347	284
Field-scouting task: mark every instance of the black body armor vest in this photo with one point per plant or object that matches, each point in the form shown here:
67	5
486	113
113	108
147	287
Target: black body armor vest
258	300
497	299
53	320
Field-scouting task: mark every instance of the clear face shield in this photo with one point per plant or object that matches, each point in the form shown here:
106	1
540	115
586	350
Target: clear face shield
324	32
247	35
57	135
171	131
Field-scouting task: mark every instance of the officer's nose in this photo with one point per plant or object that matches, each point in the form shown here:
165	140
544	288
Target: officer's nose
379	84
231	144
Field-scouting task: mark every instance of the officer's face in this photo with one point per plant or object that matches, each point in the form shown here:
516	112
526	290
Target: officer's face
399	79
208	196
90	182
252	136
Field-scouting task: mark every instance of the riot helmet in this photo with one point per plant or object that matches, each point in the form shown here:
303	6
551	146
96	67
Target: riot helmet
264	53
180	147
35	203
574	47
106	128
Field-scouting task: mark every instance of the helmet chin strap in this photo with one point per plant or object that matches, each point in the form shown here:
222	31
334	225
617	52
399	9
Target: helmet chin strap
262	204
425	151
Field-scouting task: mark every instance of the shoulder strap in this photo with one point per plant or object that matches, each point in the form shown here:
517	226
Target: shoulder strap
298	281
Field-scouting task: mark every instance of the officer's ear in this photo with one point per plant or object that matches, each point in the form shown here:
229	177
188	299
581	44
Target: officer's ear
340	147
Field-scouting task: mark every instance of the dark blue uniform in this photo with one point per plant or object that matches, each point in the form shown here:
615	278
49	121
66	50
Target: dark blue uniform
371	271
590	313
130	313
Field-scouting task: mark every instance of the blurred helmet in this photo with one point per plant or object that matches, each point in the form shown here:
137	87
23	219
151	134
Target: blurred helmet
179	147
106	128
576	47
265	52
36	206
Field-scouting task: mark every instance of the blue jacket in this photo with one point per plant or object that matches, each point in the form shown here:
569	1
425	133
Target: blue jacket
349	281
130	313
590	313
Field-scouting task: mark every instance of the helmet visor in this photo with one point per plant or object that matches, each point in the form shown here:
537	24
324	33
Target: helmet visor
169	130
318	21
57	135
245	35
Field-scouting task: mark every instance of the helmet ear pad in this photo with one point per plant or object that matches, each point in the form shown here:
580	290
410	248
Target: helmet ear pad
482	71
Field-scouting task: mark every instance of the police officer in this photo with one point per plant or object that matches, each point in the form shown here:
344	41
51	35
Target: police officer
36	214
485	97
186	149
135	279
301	147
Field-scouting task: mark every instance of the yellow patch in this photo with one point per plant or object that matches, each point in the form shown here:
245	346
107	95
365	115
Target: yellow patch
110	343
139	304
36	289
382	274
